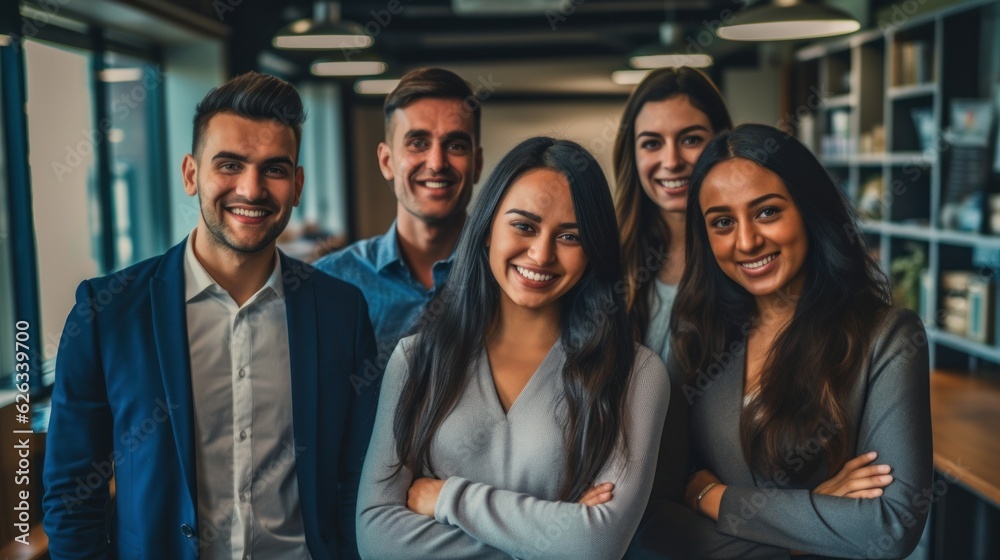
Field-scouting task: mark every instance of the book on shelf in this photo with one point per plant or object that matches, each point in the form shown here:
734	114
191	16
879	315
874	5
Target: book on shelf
980	318
967	304
916	63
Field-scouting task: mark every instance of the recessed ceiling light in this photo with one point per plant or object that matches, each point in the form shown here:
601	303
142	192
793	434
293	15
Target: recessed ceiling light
628	77
348	67
383	86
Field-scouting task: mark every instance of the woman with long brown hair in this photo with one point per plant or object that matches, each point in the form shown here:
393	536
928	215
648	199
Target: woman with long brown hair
799	372
668	120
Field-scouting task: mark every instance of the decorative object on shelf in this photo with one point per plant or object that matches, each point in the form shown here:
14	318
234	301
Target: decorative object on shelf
995	213
955	301
969	165
838	142
905	271
980	322
806	129
870	203
923	121
786	20
926	307
996	156
873	141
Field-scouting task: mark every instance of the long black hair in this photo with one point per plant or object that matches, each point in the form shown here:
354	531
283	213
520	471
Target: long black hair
814	361
595	331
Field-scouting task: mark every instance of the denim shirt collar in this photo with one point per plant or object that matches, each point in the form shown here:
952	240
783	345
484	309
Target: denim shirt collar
388	251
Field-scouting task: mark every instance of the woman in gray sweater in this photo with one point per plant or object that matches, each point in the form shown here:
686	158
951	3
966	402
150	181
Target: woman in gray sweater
523	421
809	393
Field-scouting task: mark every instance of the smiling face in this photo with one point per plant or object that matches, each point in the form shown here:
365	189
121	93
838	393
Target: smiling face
669	136
756	232
534	247
432	159
247	182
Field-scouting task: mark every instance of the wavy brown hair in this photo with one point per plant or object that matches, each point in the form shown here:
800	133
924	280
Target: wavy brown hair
815	360
645	237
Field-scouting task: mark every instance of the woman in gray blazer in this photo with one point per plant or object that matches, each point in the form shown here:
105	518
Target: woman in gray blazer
809	395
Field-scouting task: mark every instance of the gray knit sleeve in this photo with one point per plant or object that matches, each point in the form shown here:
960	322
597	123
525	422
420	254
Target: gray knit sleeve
386	529
528	527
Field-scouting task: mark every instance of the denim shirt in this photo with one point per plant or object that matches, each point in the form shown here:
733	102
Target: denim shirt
395	298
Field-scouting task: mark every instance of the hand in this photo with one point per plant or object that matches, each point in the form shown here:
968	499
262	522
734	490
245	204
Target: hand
600	494
857	479
711	501
423	495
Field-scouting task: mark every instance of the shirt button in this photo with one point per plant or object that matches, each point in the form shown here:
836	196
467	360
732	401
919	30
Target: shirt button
243	373
187	531
243	435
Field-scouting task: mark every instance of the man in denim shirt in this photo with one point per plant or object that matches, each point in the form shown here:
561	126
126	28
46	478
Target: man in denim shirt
431	157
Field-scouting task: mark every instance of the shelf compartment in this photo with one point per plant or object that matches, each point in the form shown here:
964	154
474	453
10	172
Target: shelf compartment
907	195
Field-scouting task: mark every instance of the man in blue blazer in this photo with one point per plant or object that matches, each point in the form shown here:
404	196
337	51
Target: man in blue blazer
211	384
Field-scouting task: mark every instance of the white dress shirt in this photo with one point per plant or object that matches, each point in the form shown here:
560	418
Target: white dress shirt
248	495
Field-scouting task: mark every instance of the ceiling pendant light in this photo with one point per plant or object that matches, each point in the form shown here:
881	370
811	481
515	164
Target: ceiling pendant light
376	86
323	32
668	53
628	77
788	19
361	65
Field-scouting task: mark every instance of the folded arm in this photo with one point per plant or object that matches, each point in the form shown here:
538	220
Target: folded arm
528	527
386	529
896	424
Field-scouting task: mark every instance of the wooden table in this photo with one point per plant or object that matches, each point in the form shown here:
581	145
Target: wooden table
965	415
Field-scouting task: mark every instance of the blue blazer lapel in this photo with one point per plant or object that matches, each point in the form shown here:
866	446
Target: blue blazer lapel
303	350
170	332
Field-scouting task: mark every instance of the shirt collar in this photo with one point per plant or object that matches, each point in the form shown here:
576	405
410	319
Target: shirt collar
198	280
388	251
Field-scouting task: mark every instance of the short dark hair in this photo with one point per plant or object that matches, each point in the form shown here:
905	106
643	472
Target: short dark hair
435	83
255	96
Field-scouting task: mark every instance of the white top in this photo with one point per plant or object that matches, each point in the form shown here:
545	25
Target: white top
503	472
248	494
661	301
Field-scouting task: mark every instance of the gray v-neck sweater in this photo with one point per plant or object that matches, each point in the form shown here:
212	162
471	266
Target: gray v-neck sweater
503	472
